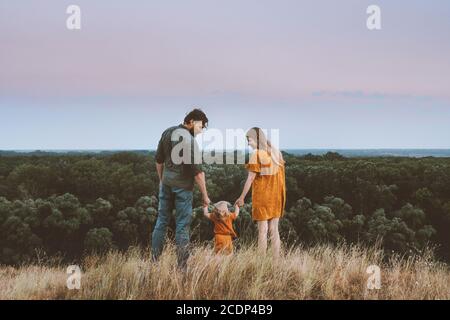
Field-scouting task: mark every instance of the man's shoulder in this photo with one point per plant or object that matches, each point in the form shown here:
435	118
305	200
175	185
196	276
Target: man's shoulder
171	129
177	127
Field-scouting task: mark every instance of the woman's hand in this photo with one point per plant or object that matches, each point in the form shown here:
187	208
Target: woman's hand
248	184
239	202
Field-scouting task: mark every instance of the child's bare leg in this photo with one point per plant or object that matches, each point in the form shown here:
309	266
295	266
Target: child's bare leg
275	237
262	236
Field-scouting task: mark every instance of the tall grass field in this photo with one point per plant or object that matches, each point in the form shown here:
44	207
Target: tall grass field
320	272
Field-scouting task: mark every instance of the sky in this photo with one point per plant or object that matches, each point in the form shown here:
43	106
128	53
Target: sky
310	69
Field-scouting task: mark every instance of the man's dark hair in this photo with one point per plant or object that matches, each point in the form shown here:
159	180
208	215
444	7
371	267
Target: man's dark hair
197	115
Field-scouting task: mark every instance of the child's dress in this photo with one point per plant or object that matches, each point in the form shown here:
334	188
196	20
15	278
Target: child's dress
223	233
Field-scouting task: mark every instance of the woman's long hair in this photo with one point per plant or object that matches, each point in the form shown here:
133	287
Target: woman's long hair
262	143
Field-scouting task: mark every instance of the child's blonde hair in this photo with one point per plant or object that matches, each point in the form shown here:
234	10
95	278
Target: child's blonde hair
221	209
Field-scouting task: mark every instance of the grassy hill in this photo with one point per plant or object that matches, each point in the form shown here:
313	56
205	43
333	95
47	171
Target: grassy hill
320	272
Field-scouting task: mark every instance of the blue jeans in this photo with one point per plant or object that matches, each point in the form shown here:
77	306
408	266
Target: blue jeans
181	200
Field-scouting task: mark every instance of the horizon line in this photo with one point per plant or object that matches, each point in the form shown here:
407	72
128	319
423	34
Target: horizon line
154	149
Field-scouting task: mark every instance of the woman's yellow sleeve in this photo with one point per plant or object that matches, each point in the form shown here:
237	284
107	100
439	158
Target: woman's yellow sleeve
254	164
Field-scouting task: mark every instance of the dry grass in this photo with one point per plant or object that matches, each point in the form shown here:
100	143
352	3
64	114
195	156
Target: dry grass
322	272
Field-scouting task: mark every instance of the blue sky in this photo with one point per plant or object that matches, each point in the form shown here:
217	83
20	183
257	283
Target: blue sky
308	68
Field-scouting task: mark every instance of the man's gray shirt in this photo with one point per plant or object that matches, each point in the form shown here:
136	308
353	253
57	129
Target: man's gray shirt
178	174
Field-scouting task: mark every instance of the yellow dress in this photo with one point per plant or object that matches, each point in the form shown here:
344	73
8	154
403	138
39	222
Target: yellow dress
268	188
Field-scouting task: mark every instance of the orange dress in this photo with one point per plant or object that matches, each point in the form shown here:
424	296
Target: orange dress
268	188
223	233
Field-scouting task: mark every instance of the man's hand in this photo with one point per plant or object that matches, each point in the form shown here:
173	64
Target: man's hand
206	201
206	212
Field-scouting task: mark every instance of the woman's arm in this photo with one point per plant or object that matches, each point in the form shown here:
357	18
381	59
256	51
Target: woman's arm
236	211
250	178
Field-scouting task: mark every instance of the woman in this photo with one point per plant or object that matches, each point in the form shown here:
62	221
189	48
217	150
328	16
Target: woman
267	179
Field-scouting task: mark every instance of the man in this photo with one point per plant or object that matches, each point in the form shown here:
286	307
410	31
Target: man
178	166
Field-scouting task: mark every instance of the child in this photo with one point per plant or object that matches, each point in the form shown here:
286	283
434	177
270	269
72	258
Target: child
223	226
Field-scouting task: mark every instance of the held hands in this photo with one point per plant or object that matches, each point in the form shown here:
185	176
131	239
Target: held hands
239	202
206	201
206	212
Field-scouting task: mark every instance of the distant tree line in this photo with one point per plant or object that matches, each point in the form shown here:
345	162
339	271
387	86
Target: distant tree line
74	204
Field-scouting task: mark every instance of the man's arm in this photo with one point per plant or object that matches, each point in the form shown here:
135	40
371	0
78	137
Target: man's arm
159	170
159	158
201	182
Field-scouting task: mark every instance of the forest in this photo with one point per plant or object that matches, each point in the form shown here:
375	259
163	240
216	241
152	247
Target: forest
70	205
